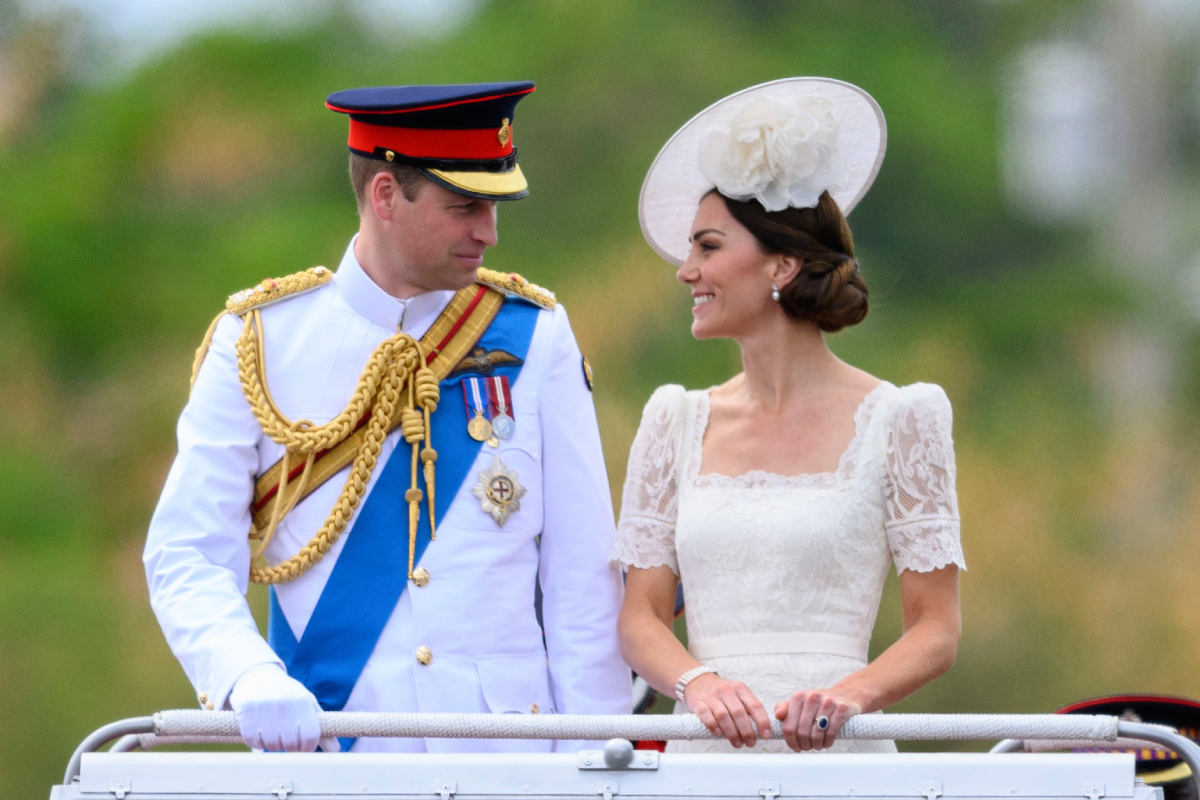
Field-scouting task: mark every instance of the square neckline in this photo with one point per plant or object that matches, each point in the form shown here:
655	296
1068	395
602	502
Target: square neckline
763	478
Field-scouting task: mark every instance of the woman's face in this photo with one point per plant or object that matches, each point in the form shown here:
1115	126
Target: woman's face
728	273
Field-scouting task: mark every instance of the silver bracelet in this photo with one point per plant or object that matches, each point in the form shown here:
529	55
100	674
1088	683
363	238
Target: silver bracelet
688	677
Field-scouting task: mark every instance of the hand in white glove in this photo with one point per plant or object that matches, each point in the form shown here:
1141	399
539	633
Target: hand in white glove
274	711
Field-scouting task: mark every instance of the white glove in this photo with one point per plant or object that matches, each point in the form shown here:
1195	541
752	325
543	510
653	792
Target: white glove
274	710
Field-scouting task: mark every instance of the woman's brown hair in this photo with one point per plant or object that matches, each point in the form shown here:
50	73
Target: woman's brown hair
829	289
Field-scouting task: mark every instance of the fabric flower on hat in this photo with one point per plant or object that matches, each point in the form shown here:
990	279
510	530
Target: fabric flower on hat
781	155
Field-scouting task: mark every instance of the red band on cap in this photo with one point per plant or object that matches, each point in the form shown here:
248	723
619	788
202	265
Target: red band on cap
476	144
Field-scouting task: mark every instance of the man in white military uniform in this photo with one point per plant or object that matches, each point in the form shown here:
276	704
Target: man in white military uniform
408	451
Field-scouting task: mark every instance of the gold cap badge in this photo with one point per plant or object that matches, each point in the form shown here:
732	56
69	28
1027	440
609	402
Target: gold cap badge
505	133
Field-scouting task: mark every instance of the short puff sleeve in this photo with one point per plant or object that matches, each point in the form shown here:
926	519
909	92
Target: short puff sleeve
649	502
922	507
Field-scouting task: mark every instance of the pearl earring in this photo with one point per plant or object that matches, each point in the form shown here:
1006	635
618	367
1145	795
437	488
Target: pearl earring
775	293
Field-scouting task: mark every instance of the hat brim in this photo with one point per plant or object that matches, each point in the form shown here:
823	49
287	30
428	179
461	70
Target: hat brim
509	185
1176	773
674	185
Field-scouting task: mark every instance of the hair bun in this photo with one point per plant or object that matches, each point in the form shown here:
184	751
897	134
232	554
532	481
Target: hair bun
831	294
843	300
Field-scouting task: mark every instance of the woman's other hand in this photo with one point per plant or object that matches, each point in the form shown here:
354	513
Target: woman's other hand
728	708
802	714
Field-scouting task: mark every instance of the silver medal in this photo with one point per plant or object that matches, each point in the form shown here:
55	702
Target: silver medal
503	426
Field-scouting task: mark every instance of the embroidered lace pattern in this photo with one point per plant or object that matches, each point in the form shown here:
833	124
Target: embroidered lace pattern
649	501
922	518
761	553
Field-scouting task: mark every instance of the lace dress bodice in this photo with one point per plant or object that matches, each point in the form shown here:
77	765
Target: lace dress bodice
783	575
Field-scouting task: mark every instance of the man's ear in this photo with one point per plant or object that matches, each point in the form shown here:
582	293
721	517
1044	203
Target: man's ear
785	268
383	193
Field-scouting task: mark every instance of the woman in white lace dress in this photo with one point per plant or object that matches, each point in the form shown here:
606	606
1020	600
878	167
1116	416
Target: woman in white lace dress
781	498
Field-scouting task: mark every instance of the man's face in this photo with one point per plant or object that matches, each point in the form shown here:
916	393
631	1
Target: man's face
441	236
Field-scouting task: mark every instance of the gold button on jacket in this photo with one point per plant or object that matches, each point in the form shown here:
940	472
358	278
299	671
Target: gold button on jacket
424	655
533	709
420	576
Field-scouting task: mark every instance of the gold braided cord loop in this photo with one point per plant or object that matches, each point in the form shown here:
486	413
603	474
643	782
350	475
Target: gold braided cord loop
202	350
268	291
389	371
309	438
451	337
396	389
279	510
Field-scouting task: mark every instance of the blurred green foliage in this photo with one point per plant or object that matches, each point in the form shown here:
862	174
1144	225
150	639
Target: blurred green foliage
130	209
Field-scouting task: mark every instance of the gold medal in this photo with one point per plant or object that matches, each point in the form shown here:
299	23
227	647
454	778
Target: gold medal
493	442
479	428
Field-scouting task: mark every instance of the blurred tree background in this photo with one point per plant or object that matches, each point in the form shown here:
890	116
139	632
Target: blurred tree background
1061	322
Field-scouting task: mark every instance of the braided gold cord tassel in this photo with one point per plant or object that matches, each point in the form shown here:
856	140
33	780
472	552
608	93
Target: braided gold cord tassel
279	509
428	395
414	433
397	361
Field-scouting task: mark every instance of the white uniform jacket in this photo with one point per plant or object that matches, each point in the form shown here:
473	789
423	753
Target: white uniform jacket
476	613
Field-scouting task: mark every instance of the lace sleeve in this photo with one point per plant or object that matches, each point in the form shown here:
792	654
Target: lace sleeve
646	529
922	507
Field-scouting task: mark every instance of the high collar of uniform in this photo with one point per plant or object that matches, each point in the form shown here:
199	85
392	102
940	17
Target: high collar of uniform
361	293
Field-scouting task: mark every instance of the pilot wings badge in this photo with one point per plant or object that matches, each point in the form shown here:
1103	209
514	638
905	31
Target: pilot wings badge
499	491
482	361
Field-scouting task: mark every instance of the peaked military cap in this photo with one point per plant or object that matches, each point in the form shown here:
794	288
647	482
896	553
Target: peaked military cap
460	137
1155	764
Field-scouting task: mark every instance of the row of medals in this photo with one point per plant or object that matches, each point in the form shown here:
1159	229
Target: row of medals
498	489
500	427
490	432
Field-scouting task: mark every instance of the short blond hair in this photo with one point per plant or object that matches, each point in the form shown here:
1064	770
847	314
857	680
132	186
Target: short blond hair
363	169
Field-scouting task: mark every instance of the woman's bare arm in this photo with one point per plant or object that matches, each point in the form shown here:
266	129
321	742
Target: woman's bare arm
932	627
649	645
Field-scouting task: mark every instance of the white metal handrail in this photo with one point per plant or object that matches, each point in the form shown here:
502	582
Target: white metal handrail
222	725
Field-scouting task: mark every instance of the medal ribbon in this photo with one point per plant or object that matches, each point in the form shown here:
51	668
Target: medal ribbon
474	399
499	397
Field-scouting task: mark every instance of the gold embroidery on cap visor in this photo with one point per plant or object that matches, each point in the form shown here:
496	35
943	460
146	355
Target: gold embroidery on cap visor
495	184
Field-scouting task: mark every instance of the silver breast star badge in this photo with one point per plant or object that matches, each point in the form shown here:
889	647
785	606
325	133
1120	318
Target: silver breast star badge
499	491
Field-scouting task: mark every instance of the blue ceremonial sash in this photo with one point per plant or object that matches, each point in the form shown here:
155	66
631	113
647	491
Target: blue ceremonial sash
371	572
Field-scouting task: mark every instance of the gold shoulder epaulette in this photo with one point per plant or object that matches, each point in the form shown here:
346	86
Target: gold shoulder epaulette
274	289
514	285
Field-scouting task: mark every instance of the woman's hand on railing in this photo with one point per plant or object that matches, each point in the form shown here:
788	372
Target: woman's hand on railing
812	720
728	708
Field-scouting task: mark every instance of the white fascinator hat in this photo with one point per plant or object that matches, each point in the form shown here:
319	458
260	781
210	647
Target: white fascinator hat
782	143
